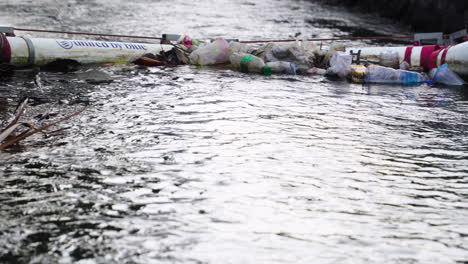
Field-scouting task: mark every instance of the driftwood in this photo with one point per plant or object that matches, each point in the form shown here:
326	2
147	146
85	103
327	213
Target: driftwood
8	136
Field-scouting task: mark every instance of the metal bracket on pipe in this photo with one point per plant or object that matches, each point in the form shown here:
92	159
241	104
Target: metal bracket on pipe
31	50
358	56
8	30
167	38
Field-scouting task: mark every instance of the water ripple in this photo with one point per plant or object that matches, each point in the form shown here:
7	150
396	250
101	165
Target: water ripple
208	165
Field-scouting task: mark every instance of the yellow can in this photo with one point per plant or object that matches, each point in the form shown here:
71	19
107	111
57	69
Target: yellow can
358	73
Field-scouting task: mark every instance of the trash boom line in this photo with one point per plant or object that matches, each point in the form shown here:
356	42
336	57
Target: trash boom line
85	33
330	39
246	41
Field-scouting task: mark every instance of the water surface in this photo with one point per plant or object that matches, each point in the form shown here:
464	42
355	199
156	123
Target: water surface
208	165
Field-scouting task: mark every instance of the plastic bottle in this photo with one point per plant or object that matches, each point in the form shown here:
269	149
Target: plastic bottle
282	67
212	53
407	77
380	74
249	63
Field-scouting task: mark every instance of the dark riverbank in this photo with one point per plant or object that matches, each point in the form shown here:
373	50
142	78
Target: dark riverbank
422	15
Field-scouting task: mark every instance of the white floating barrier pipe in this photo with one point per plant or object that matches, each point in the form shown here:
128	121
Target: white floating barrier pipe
427	57
21	51
456	57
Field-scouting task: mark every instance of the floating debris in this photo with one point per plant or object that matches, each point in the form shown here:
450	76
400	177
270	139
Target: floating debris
274	56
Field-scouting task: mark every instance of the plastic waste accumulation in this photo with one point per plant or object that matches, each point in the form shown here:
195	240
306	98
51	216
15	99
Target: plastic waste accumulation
170	58
282	67
340	64
304	58
213	53
249	63
444	75
188	41
302	54
380	74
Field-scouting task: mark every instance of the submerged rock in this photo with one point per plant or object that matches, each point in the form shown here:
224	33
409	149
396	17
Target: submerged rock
95	77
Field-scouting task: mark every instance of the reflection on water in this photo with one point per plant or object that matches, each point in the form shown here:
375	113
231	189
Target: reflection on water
207	165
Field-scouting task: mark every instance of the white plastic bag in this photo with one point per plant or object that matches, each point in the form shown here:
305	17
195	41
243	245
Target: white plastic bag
302	54
213	53
237	47
340	64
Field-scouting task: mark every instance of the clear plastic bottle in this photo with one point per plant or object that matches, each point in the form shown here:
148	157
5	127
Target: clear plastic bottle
282	67
249	63
380	74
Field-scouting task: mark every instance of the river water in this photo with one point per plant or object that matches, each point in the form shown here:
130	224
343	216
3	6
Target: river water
208	165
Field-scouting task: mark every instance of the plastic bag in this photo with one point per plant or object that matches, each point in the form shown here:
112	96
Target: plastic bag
236	47
340	64
327	55
302	54
389	59
445	75
404	65
213	53
380	74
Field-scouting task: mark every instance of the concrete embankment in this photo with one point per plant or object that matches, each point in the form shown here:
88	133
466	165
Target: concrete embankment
422	15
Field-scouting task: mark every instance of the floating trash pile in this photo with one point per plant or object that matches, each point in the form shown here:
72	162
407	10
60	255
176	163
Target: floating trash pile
303	58
390	65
